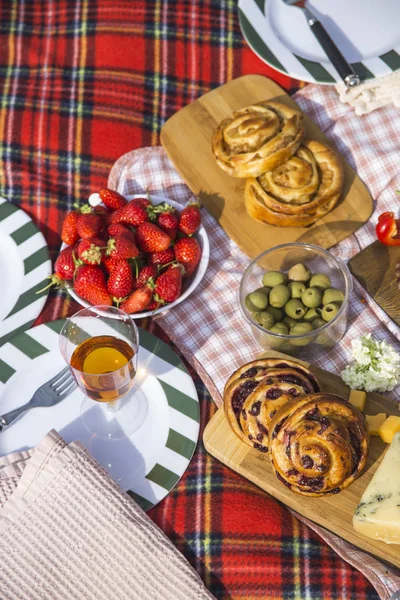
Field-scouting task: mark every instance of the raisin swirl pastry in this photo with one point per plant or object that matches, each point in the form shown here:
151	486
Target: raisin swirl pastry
318	444
255	391
299	192
257	138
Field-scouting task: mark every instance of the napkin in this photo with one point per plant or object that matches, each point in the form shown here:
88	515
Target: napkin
372	94
68	531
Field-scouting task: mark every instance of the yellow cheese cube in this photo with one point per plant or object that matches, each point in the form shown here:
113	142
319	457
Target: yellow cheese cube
374	422
389	428
358	399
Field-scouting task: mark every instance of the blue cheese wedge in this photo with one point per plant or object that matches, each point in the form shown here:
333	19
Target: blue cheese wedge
378	514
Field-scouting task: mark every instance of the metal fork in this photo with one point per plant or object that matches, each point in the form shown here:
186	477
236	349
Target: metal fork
346	71
49	394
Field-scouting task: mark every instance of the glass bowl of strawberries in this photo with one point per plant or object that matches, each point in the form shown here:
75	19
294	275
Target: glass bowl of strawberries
142	254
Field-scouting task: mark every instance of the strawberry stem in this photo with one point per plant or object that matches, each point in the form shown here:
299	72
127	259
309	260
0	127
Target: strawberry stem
54	280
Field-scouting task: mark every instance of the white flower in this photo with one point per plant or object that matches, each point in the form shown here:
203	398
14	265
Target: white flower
376	367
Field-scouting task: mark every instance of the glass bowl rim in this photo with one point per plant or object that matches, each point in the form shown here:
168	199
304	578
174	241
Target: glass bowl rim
341	265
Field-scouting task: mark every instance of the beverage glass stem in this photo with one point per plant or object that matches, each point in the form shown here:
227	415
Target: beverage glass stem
113	406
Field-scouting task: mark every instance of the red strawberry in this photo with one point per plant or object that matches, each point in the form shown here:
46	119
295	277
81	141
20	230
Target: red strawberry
64	269
101	210
109	263
89	225
162	258
112	199
104	213
118	229
89	275
130	214
190	219
188	253
144	275
153	305
121	248
120	282
138	300
169	284
144	202
151	238
89	251
90	284
168	221
69	232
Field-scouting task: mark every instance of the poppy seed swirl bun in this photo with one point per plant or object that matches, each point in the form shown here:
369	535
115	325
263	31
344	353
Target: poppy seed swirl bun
257	390
257	138
318	444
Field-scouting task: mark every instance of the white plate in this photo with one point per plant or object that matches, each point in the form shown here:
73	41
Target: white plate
366	31
149	463
24	267
190	284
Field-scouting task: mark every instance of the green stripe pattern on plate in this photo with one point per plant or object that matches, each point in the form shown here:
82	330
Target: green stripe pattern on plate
32	252
168	466
286	61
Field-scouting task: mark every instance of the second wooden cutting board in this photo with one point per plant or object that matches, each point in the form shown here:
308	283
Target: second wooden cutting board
186	137
334	512
375	269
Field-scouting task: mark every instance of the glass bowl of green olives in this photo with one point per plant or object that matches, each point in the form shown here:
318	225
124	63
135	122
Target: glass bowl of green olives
295	298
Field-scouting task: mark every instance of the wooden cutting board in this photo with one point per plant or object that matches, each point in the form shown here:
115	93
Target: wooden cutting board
332	512
375	269
186	137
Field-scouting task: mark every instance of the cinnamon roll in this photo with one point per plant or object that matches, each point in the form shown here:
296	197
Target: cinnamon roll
257	138
255	392
299	192
318	444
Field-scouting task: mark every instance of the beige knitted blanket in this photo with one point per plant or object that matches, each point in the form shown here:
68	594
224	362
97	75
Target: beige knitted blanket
68	532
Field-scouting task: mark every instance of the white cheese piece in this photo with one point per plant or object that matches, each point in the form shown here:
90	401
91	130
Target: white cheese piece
378	514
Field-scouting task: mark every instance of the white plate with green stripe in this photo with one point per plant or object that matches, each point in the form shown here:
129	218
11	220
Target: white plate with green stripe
24	267
366	31
153	459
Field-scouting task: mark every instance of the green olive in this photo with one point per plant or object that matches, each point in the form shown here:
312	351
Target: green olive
259	300
277	313
311	297
288	348
265	319
301	329
332	295
295	309
249	305
318	322
289	321
311	314
280	328
273	278
263	290
320	281
330	311
299	272
296	289
278	296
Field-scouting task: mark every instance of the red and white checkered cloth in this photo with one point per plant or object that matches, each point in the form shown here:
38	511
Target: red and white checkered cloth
208	327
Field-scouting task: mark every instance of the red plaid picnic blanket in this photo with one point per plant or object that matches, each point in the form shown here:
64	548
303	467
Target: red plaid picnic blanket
82	83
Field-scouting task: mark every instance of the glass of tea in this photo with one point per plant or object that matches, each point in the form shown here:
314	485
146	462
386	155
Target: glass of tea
100	344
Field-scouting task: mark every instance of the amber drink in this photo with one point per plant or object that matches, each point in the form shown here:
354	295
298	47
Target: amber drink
105	367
